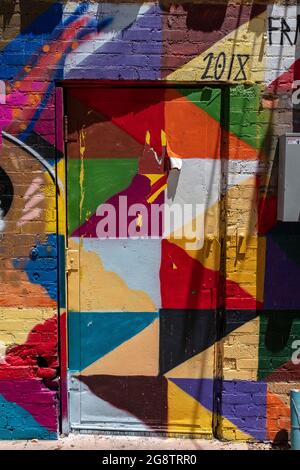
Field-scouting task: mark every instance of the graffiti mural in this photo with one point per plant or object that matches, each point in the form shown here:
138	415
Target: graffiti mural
164	332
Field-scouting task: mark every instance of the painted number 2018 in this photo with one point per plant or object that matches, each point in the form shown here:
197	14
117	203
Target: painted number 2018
217	66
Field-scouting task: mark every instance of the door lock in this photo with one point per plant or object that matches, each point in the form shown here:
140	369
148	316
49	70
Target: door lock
72	260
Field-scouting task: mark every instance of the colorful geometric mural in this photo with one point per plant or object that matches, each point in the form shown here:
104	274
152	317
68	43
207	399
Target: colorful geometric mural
182	105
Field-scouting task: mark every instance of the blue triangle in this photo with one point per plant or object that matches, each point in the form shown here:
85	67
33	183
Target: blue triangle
93	334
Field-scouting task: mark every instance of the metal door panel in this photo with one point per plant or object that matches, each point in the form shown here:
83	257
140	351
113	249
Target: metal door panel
142	308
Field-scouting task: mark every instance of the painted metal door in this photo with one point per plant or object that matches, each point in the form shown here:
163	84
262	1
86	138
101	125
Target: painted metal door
143	193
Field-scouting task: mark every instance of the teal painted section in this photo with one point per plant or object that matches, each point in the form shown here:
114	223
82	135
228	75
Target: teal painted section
295	419
17	423
93	334
62	271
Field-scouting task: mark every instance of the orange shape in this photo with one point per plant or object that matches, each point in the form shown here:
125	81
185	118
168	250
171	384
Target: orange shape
191	132
277	416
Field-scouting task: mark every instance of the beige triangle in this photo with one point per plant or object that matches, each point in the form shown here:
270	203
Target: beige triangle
247	40
240	357
198	367
137	356
241	352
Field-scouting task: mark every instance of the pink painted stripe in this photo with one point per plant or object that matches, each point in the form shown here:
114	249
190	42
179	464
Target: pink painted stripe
34	397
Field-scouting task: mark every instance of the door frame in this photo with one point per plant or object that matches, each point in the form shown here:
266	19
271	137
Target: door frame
61	227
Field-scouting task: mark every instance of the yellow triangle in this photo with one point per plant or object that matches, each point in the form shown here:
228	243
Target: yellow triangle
153	177
230	432
246	41
187	415
198	367
137	356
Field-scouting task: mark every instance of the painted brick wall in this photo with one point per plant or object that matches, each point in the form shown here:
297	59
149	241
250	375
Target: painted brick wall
252	48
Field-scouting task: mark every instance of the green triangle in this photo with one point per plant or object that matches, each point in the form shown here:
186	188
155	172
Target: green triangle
102	178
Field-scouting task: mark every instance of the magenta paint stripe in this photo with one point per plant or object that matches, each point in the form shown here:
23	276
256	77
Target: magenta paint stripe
34	397
59	116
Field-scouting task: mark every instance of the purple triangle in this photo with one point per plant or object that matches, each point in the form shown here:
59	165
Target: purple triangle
243	402
116	60
200	389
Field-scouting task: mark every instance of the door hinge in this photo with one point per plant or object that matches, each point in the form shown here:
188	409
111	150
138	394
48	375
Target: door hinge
72	260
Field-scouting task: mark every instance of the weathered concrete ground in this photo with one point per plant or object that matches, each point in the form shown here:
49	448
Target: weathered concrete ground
103	442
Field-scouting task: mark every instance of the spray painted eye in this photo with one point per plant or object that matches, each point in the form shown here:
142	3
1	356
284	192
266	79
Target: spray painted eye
6	193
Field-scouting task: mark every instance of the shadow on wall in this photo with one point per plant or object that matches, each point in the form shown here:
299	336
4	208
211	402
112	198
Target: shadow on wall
212	16
7	8
6	193
211	19
278	331
30	10
281	438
